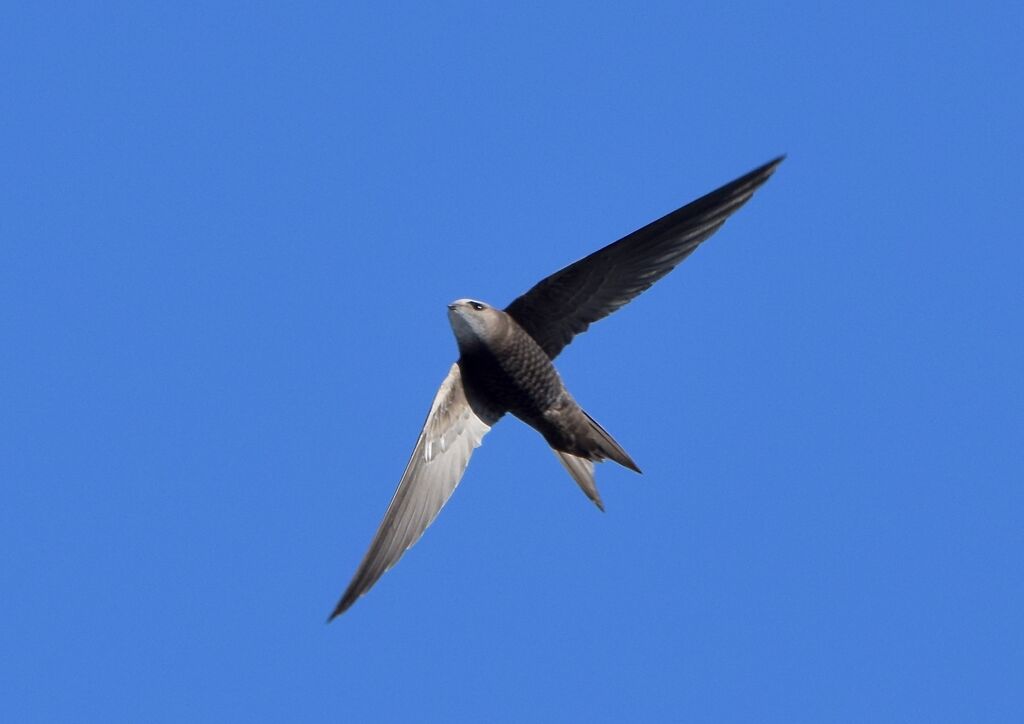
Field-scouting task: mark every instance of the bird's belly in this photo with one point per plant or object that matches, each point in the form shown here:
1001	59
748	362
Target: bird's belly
523	384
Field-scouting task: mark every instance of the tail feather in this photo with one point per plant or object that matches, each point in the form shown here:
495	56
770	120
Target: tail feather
606	447
592	444
582	471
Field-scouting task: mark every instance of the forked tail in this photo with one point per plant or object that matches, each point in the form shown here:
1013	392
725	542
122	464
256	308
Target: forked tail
596	445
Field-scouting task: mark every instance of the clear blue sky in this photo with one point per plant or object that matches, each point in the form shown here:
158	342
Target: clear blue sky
227	238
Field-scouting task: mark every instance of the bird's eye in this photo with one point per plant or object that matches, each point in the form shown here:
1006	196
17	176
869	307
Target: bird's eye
477	306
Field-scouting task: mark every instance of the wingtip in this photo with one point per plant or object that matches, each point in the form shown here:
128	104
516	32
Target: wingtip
749	182
769	168
343	605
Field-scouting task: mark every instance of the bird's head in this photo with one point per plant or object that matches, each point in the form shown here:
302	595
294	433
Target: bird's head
474	322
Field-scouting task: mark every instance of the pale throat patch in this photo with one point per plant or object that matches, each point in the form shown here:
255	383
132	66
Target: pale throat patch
468	331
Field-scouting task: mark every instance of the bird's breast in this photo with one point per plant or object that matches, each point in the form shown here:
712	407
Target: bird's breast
513	373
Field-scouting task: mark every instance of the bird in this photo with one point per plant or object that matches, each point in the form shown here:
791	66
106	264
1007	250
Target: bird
505	366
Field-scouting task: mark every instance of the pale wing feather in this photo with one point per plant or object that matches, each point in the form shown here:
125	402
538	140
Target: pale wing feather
450	434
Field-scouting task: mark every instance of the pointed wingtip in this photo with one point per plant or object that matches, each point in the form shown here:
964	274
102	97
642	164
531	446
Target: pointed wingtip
743	187
769	168
343	605
774	163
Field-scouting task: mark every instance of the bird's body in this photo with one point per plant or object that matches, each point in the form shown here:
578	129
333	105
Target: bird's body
505	366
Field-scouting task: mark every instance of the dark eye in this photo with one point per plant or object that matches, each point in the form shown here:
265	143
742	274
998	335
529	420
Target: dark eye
477	306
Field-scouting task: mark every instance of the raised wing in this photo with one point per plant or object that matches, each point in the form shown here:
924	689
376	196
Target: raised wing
452	431
567	302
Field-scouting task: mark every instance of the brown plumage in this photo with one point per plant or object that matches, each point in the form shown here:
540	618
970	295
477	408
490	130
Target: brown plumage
505	366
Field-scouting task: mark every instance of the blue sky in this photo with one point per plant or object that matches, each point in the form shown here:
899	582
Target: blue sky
227	237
